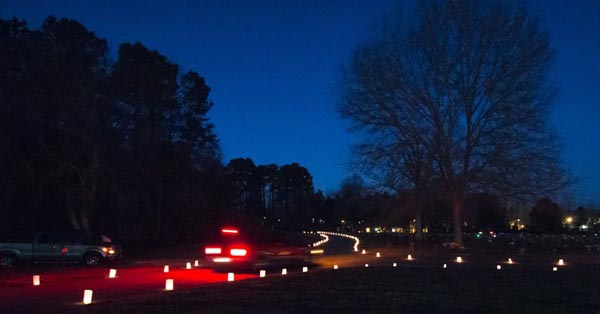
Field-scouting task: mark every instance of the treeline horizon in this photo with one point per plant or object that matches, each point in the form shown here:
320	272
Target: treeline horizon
124	147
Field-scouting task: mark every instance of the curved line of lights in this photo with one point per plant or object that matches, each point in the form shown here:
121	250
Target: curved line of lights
325	233
321	242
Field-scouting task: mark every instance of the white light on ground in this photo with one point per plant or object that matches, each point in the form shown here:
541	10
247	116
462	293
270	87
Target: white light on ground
304	269
188	265
169	284
498	267
335	266
394	265
262	273
230	276
363	252
409	257
36	280
510	261
166	269
366	265
284	271
112	273
196	263
459	259
87	296
445	266
561	262
554	268
356	240
377	255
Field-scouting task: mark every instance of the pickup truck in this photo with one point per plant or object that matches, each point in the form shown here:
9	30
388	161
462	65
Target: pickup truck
59	248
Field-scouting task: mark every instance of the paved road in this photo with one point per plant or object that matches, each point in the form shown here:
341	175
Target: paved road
62	286
65	285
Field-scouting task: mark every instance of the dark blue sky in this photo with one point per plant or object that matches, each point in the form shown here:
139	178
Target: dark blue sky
272	67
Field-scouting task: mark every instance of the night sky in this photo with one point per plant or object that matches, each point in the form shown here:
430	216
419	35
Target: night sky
273	65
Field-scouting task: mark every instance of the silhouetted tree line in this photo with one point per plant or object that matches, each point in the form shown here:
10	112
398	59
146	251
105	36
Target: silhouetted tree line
271	195
120	147
124	147
360	206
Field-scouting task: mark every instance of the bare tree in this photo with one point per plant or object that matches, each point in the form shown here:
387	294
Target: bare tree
464	83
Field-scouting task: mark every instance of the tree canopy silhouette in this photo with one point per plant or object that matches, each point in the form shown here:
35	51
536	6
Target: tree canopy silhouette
465	83
121	147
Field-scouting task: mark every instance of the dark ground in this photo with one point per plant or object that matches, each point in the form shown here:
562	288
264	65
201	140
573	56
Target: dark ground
418	286
464	288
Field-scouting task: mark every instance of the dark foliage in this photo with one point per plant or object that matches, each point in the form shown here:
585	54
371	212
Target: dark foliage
123	148
546	216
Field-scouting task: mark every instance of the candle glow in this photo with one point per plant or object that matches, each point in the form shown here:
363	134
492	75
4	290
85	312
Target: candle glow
87	296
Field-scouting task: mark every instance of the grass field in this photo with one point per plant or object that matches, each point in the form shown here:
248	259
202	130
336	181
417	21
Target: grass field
409	288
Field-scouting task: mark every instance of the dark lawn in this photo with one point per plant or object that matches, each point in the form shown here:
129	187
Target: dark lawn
465	288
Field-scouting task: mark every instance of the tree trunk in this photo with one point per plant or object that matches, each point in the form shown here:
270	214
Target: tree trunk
71	211
457	215
419	224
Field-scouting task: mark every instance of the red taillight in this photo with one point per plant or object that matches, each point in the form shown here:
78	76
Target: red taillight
229	231
212	250
238	252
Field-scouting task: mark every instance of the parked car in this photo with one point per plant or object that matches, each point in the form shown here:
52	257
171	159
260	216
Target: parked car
234	248
59	248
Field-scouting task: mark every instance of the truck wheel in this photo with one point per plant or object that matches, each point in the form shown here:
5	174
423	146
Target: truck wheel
92	259
8	260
